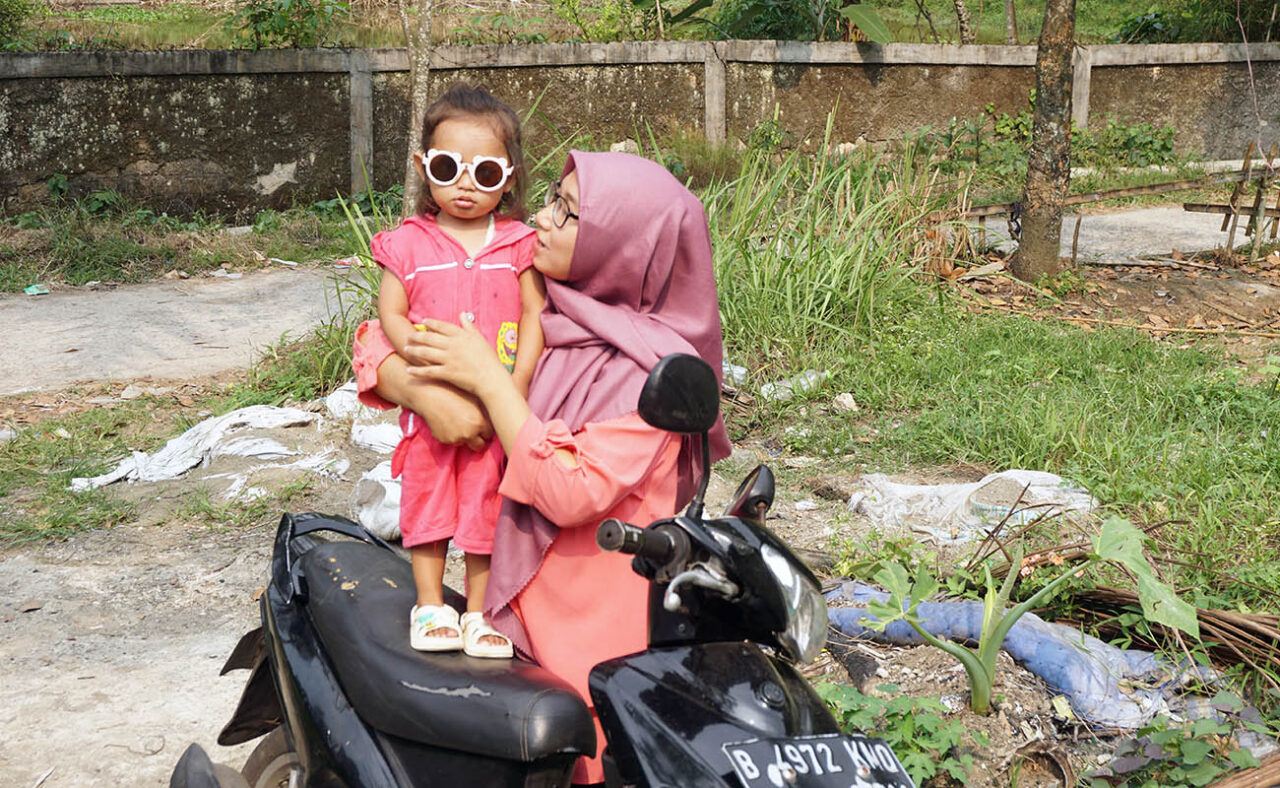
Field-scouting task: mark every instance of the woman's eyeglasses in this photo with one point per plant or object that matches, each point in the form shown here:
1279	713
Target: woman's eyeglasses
445	167
560	213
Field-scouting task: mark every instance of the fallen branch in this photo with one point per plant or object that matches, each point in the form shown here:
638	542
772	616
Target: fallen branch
1163	262
1265	773
1144	326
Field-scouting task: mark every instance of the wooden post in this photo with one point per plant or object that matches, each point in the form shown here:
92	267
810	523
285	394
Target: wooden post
1233	219
713	94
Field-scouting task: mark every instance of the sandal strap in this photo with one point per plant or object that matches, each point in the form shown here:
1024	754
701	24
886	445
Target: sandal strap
433	617
475	627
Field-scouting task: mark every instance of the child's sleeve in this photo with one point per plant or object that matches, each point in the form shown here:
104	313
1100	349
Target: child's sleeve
387	250
524	253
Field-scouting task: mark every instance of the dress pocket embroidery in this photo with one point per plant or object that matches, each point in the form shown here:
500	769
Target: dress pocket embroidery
508	336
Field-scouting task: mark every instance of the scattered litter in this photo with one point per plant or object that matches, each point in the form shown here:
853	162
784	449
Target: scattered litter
243	229
195	446
807	505
36	290
806	381
375	503
626	146
733	374
62	432
279	261
982	270
130	392
345	263
382	438
222	273
7	434
261	448
344	404
959	512
846	402
176	274
1108	686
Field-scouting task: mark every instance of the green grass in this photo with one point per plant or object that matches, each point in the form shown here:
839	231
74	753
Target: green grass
37	466
1097	21
200	507
103	237
1160	432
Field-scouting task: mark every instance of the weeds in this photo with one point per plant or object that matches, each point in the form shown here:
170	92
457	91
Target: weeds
914	728
37	466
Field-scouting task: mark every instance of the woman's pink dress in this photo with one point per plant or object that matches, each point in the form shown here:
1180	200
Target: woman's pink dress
585	606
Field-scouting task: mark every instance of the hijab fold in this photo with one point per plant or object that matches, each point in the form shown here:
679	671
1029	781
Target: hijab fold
641	286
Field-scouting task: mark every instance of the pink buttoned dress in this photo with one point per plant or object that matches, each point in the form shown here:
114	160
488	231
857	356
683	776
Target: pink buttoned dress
447	492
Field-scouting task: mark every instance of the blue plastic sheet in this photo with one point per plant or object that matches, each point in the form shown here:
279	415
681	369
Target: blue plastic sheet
1106	686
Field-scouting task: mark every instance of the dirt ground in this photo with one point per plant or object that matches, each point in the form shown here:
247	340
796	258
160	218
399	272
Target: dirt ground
111	641
166	329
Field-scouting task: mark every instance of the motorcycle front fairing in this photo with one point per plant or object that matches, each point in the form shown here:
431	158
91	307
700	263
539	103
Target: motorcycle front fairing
668	712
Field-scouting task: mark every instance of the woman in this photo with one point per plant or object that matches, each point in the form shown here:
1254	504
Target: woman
626	255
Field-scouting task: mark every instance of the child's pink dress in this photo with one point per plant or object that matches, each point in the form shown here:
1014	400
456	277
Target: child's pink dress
447	492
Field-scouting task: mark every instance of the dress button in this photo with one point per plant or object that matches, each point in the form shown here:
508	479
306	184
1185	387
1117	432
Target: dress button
470	317
468	263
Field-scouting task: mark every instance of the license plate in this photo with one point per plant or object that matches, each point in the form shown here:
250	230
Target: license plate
817	762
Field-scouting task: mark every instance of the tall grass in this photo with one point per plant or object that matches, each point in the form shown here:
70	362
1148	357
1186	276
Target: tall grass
810	251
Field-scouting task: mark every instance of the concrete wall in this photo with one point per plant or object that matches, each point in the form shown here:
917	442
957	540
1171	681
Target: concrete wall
237	131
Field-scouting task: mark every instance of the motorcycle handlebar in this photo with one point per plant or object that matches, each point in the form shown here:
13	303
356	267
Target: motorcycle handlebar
617	536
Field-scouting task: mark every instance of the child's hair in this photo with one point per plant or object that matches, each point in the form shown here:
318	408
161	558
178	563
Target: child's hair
465	101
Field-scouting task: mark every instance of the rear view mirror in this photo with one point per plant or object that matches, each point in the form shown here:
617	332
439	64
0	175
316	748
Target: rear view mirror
681	395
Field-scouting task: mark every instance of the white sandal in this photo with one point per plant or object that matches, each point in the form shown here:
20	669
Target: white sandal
474	628
430	618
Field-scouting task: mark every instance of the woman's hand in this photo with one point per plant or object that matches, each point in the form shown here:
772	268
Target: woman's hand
456	418
458	355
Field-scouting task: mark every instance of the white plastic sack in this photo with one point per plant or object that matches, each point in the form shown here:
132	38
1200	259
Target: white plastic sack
196	446
375	503
959	512
343	404
382	438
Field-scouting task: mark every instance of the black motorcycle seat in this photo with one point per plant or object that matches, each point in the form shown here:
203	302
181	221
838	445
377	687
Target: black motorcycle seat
359	597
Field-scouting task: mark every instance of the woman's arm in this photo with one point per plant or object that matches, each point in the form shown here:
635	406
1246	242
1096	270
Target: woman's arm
453	416
459	355
533	297
610	460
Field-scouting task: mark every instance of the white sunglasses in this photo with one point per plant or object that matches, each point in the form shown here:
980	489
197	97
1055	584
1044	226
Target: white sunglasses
445	167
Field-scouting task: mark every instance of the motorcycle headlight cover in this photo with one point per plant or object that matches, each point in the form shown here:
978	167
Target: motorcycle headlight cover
806	611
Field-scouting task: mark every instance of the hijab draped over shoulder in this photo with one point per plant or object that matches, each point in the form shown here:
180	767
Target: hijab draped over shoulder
641	286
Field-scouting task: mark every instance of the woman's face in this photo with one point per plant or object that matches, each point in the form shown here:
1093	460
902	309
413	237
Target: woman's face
554	252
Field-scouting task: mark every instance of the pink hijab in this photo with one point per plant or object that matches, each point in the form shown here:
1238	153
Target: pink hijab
641	286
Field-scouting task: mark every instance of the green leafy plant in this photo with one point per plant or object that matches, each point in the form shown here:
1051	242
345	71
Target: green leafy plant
287	23
913	728
14	15
1164	754
1119	542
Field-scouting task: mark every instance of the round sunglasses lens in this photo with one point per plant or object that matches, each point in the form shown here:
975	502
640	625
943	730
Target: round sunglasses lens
443	169
488	174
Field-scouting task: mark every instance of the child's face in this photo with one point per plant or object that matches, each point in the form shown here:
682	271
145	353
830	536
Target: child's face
469	137
554	252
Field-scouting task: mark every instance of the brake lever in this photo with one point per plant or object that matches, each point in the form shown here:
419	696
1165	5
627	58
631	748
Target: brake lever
701	577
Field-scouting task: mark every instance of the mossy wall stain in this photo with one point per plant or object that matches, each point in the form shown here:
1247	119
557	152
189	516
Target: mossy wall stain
607	103
1210	105
181	143
872	102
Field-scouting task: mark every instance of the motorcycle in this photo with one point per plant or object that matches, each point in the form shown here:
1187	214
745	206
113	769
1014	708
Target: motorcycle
715	700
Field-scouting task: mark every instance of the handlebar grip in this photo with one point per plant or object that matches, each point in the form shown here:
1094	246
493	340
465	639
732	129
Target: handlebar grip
616	536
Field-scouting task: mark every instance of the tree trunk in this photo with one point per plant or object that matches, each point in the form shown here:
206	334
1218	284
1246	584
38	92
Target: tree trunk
966	24
1010	23
419	92
1049	160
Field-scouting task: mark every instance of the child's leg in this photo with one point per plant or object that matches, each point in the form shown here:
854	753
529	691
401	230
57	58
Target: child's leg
428	577
477	580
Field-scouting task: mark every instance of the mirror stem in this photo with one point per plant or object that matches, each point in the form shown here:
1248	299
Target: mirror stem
695	506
